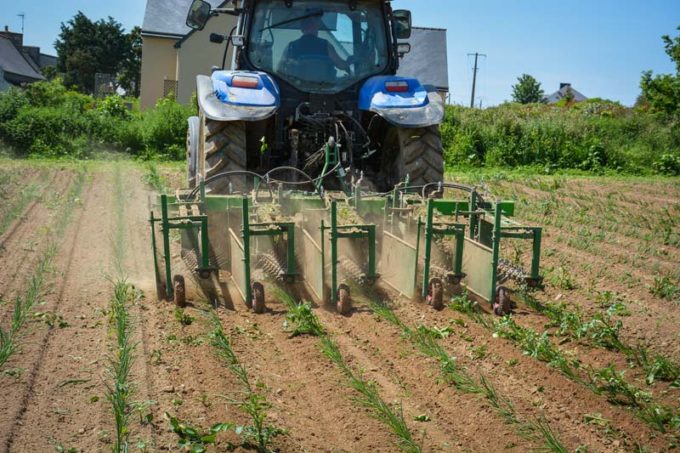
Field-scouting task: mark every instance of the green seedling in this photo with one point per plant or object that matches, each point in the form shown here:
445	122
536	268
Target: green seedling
665	288
183	317
195	439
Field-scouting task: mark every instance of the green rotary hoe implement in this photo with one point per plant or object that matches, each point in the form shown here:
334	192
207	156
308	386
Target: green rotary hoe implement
424	242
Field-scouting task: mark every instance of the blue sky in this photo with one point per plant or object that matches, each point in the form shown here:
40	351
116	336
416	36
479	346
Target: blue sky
600	46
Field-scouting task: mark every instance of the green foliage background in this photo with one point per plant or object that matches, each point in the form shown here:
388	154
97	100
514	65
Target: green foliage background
593	136
47	120
597	136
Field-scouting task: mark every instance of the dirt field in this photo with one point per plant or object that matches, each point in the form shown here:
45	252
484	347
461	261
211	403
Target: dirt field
608	243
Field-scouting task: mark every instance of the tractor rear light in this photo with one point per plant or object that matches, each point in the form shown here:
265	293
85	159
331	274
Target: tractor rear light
245	82
397	87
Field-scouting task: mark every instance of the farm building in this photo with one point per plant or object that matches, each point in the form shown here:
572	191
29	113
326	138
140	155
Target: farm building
173	55
565	90
20	64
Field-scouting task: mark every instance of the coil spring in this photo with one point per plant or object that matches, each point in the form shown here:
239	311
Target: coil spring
351	270
508	271
271	266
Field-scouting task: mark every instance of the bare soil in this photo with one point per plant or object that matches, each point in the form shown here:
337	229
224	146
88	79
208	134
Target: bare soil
54	388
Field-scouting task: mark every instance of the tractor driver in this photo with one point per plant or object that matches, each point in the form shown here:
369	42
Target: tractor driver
300	55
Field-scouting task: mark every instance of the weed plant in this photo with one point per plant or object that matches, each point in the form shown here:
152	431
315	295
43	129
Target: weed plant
301	316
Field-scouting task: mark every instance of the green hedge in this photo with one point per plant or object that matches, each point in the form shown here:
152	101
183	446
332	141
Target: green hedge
593	136
47	120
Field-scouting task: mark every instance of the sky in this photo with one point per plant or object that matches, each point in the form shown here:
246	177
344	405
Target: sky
601	47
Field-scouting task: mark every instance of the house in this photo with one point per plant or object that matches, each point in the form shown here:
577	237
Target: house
565	90
20	64
173	54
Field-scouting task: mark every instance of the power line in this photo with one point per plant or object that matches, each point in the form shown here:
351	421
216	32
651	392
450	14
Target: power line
474	76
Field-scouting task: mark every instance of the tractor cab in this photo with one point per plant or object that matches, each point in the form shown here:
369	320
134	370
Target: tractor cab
319	46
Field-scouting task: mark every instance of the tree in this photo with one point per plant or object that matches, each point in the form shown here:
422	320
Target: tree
662	92
131	72
85	48
527	90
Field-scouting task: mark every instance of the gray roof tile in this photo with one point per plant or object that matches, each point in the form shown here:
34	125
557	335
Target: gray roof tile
13	62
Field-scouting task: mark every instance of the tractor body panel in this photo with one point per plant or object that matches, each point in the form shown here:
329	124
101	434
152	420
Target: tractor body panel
220	102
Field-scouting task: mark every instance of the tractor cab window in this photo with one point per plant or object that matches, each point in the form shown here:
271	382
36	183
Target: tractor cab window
319	46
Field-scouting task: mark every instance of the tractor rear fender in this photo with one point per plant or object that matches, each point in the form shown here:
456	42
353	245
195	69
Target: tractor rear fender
238	96
403	102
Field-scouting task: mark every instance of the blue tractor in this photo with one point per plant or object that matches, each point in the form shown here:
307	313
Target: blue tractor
314	97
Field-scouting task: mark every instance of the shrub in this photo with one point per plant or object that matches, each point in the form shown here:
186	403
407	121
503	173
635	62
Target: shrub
165	128
48	120
595	136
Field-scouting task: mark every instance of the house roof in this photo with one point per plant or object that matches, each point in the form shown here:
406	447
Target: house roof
427	61
14	64
562	93
167	18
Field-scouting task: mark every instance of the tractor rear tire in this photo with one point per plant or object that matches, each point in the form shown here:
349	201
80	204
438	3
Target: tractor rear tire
225	151
193	132
420	156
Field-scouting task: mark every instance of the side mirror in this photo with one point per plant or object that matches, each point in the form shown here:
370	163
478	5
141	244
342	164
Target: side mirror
403	48
401	23
199	13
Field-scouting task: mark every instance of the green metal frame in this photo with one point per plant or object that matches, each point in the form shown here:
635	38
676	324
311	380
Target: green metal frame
249	231
192	222
439	229
338	232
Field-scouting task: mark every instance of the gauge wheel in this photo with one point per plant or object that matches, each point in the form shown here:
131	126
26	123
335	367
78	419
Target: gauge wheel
180	292
258	298
344	302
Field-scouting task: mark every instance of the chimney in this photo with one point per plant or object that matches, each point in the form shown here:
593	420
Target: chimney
6	28
562	85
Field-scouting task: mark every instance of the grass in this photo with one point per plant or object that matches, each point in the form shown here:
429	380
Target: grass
120	389
306	322
37	281
16	207
391	416
154	179
120	364
427	342
259	434
603	331
605	381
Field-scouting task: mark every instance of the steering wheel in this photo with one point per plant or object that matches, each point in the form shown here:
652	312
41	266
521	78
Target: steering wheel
310	66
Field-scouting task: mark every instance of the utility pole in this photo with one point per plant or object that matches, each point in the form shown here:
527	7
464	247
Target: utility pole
23	19
474	76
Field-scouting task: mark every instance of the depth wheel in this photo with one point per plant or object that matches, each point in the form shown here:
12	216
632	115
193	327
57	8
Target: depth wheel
258	298
344	302
180	291
436	294
502	306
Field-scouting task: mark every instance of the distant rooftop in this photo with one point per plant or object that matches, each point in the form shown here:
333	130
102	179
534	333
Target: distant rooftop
15	65
563	92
